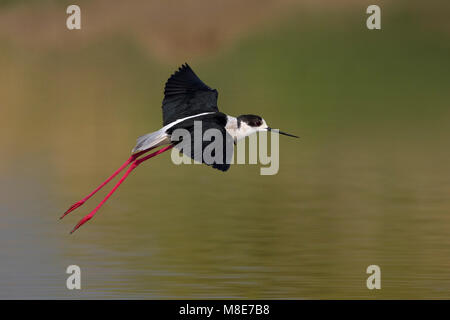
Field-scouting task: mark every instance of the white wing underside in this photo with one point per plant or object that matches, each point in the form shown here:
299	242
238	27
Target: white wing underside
160	137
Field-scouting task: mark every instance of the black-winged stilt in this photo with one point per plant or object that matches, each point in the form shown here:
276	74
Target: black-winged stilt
186	99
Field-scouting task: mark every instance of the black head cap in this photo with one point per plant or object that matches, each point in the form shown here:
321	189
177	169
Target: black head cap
250	119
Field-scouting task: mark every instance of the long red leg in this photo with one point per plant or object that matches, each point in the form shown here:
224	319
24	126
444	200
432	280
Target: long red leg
126	163
131	168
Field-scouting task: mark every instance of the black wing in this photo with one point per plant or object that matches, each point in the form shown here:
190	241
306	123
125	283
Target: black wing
186	95
209	121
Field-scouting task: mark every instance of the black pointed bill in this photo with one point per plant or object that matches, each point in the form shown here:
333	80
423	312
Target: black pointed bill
281	132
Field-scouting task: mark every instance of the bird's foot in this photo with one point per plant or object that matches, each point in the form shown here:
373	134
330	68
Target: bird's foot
73	207
84	220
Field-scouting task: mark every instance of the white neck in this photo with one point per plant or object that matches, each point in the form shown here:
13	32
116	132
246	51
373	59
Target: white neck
240	132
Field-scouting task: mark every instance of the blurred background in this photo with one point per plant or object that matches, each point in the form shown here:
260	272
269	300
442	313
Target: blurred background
367	183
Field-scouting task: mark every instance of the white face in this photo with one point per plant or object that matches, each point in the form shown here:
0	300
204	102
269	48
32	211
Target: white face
264	126
246	130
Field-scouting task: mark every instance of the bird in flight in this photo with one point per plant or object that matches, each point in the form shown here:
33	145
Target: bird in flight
187	100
